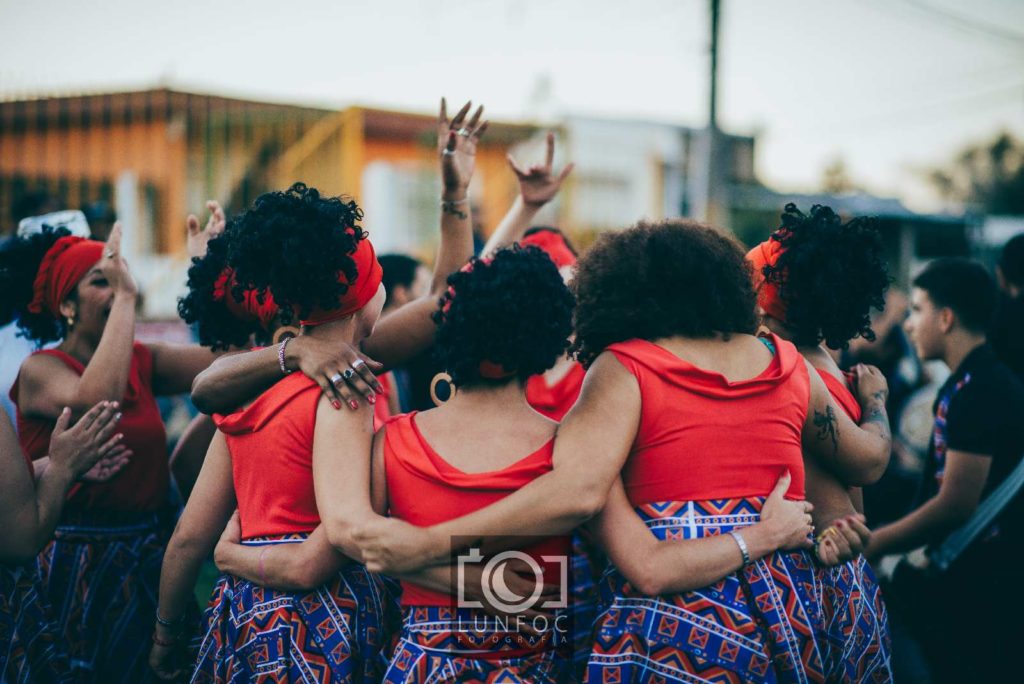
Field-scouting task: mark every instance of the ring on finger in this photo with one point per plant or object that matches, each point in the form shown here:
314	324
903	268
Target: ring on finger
357	364
448	153
336	378
464	132
348	374
110	254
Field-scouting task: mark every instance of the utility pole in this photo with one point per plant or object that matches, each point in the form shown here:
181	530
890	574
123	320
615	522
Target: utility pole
713	104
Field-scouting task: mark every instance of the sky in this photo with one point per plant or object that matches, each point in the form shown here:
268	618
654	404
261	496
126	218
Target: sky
891	87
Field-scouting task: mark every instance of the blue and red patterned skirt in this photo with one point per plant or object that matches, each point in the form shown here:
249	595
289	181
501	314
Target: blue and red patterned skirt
443	644
30	649
761	624
588	564
858	646
101	575
339	632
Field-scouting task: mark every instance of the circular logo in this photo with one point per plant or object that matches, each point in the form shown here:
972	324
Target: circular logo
498	592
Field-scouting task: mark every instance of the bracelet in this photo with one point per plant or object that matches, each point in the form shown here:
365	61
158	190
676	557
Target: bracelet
743	546
169	624
280	356
164	642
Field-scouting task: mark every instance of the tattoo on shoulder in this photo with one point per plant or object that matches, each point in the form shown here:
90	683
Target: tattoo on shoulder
827	427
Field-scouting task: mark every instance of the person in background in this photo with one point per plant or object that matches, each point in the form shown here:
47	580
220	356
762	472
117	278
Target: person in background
32	649
977	440
101	571
405	279
1007	333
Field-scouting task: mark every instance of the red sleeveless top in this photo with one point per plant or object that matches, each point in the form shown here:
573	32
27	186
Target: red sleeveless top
842	394
271	445
142	484
424	489
554	401
702	437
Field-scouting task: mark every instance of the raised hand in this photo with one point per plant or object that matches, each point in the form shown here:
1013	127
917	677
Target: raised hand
537	183
91	442
114	266
456	146
198	237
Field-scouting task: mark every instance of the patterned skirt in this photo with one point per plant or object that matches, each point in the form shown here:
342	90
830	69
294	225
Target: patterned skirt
761	624
101	575
588	564
30	650
339	632
441	644
858	646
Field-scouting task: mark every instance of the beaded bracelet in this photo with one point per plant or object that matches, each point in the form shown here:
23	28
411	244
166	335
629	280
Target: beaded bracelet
280	356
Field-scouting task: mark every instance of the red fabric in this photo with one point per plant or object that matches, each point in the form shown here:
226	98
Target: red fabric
552	243
769	297
424	489
142	484
250	308
63	265
555	401
702	437
368	276
271	445
381	410
841	393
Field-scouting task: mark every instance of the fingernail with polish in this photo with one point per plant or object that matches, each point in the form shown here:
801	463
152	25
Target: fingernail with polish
354	404
372	398
336	404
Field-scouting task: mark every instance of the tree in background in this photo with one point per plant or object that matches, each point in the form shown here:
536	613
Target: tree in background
988	177
836	179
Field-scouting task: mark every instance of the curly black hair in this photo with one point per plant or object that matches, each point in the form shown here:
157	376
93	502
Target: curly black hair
512	310
216	325
830	275
293	244
676	277
19	263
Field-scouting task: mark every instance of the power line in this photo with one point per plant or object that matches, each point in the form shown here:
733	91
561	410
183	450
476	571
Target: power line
963	23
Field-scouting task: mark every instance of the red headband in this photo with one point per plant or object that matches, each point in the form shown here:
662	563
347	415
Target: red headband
249	309
769	296
368	276
64	264
553	244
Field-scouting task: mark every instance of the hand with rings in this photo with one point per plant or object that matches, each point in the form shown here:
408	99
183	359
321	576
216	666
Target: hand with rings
344	375
843	540
456	145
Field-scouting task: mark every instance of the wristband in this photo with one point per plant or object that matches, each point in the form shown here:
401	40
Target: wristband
280	356
169	624
743	546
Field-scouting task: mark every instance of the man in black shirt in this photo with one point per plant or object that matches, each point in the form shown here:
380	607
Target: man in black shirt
975	614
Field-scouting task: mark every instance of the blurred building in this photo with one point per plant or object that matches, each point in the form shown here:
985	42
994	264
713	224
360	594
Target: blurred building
157	155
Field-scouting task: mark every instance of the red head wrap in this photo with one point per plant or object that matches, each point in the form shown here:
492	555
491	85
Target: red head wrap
769	298
368	276
553	244
249	309
64	264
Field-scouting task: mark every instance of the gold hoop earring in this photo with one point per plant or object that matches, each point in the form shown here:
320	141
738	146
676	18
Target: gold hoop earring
452	391
284	332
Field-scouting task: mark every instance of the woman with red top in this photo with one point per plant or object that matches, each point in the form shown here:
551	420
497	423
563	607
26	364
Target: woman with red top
101	571
817	279
307	255
32	649
701	419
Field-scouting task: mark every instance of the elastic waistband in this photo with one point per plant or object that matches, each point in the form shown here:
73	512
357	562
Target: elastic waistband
695	519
